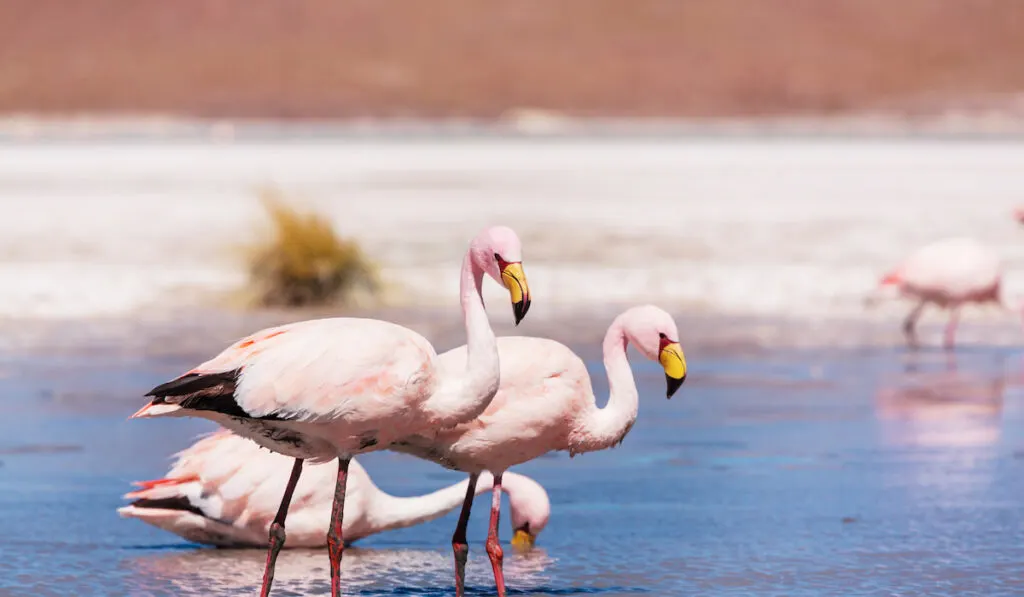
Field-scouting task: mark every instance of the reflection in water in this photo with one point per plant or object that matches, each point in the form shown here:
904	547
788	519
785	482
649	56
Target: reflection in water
949	407
207	571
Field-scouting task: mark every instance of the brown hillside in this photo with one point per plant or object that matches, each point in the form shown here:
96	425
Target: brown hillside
456	58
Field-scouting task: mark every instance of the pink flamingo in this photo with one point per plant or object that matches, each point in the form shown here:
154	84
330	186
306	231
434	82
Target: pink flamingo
545	403
333	388
224	491
947	274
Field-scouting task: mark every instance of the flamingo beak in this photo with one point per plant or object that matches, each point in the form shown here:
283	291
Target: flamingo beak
674	362
522	540
514	278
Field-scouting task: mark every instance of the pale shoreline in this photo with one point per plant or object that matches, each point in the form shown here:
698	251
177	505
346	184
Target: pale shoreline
983	122
797	229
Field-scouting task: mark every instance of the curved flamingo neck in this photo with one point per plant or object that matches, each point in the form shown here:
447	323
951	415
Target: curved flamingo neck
389	512
528	500
464	395
603	428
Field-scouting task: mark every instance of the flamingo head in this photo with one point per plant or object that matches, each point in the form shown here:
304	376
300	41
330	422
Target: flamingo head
530	509
653	332
1018	214
498	252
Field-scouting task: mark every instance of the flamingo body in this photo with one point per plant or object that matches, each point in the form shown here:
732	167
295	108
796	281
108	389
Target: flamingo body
544	387
224	491
545	402
948	274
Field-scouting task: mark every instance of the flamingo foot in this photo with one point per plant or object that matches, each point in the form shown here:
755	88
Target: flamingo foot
277	533
908	332
277	537
497	556
910	324
335	535
949	338
459	546
494	551
461	551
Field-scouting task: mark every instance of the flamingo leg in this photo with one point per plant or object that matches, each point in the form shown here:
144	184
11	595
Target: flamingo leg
335	536
277	534
459	545
950	336
494	550
910	322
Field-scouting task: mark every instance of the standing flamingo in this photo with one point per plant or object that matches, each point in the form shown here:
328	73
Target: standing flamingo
545	403
333	388
224	491
948	274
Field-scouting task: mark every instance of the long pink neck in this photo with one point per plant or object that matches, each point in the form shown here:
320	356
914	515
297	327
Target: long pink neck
465	394
392	512
603	428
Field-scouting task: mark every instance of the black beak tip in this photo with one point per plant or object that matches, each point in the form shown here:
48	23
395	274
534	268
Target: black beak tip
673	385
519	309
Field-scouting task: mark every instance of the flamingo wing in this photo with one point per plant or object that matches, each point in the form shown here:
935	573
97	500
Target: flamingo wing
313	371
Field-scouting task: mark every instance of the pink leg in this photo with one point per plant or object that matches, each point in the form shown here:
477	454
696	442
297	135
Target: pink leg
459	545
277	533
950	337
335	537
910	323
494	550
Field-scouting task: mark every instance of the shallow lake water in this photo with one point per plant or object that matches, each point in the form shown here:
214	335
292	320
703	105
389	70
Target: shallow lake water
772	472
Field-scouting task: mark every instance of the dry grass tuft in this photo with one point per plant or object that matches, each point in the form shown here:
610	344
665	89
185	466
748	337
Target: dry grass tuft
304	262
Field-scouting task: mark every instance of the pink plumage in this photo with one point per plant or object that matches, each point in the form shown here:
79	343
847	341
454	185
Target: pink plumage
224	490
546	403
332	388
948	274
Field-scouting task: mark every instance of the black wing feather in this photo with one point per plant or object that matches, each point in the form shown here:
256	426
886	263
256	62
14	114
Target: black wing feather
172	503
194	383
205	391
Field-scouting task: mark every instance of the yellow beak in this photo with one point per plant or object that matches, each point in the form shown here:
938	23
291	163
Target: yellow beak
523	540
674	363
514	277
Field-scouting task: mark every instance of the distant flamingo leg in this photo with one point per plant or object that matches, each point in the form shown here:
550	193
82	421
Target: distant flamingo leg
494	550
459	545
950	336
910	322
335	536
277	534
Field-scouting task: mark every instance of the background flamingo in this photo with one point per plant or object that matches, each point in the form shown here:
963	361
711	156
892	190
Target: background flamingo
546	402
947	274
332	388
224	491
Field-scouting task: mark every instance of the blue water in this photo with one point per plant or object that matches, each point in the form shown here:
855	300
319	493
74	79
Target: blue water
872	472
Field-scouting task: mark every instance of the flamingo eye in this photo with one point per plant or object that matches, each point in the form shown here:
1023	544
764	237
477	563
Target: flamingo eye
498	258
662	336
